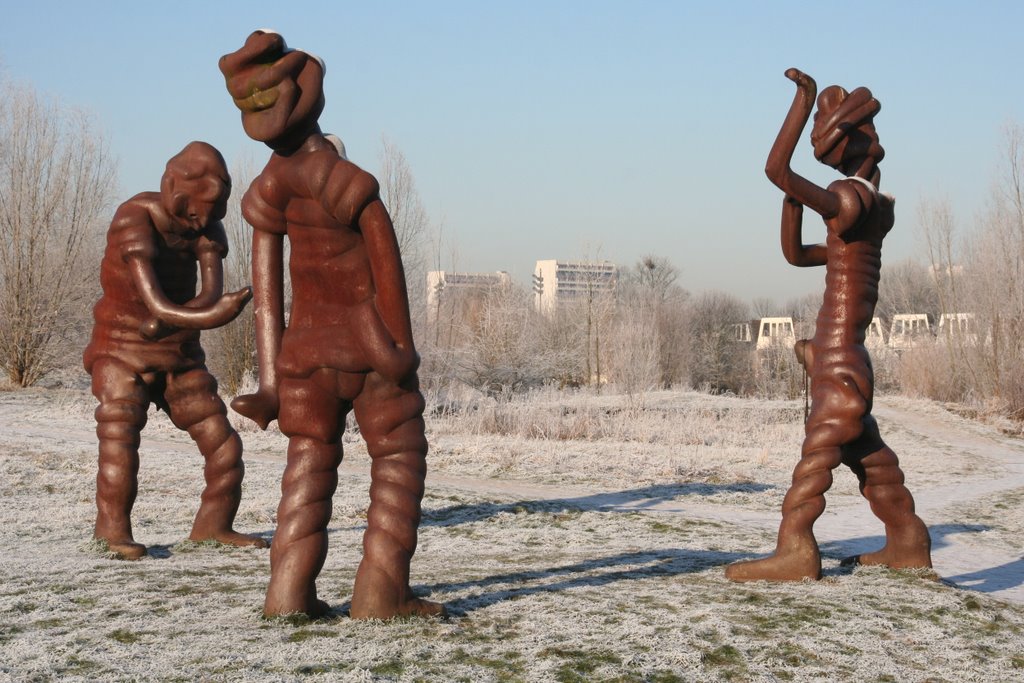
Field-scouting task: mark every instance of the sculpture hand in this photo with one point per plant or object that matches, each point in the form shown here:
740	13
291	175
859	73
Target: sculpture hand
802	80
261	407
226	308
234	302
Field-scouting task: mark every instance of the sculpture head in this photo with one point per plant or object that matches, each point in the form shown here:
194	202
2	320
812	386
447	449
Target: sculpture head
195	187
279	91
844	135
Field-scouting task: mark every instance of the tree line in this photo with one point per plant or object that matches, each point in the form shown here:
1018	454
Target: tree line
57	180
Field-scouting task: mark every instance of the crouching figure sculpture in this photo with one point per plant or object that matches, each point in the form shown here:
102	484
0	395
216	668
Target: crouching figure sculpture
348	344
145	344
840	428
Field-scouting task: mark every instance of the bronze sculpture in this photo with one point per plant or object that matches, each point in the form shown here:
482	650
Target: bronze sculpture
145	344
348	343
840	428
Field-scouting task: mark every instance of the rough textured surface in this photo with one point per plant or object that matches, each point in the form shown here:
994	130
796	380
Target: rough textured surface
348	345
840	428
145	344
567	570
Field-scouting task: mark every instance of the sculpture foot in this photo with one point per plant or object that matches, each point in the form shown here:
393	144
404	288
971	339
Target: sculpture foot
125	549
788	566
887	557
229	537
908	549
312	608
389	609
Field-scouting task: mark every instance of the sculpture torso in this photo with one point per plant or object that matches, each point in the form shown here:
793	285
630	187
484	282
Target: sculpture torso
854	246
315	198
120	311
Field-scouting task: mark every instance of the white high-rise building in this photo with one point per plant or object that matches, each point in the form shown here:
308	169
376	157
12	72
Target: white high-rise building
442	284
559	282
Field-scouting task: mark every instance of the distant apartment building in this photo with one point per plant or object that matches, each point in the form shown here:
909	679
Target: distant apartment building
959	327
775	331
556	283
460	288
874	337
908	329
740	332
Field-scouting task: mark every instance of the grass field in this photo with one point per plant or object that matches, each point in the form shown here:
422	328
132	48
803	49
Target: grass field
573	538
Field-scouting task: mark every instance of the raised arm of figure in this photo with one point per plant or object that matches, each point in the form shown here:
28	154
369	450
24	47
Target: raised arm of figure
268	285
799	191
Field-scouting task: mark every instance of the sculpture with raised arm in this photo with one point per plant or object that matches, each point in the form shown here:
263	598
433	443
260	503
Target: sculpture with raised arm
348	343
840	428
145	344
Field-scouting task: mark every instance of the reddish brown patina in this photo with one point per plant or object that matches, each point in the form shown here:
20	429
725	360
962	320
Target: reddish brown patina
145	344
840	428
348	343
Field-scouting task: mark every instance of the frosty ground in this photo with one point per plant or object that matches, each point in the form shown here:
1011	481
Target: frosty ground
573	537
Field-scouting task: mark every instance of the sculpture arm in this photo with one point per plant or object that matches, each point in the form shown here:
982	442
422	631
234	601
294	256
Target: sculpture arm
392	347
388	275
221	312
778	168
211	252
211	273
793	248
268	286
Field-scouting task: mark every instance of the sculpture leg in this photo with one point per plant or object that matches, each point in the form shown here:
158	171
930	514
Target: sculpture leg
120	418
835	419
313	418
907	543
194	406
390	417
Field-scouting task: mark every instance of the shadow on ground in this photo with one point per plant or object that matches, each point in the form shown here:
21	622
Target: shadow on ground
593	573
632	500
989	580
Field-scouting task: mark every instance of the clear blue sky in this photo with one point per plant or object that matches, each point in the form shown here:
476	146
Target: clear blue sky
542	130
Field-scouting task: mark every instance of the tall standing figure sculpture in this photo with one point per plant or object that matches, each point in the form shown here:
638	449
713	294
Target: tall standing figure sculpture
145	344
840	428
348	343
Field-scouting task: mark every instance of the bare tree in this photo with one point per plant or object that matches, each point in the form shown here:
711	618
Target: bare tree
411	221
765	307
994	288
907	287
503	353
634	346
651	288
719	363
56	178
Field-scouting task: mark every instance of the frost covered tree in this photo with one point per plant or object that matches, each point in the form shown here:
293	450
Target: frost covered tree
652	325
718	362
56	179
411	221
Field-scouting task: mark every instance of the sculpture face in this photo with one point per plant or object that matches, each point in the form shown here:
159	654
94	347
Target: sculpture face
194	204
844	133
195	187
279	91
857	144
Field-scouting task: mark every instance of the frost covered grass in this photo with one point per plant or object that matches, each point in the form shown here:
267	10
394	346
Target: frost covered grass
561	559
